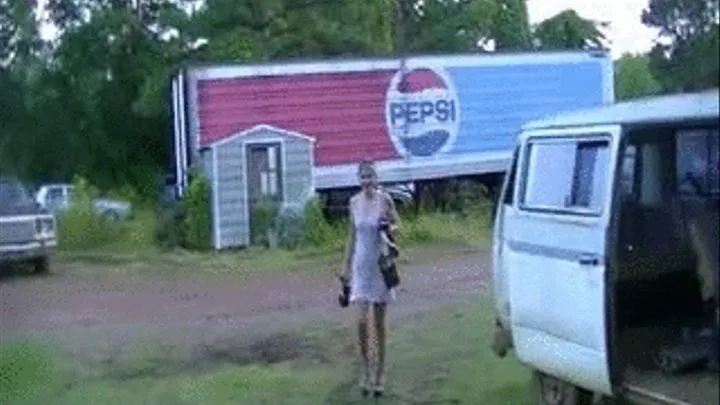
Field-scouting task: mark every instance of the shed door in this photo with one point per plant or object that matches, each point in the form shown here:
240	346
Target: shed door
264	183
556	254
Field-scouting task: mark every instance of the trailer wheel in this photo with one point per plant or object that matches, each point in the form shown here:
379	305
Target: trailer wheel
552	391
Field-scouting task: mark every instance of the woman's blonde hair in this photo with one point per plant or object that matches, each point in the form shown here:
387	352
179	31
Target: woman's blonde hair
367	165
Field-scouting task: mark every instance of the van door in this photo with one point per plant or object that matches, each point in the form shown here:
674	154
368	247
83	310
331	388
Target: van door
556	253
505	208
502	340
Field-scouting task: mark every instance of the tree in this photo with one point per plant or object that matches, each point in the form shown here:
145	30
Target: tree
445	26
567	30
633	77
18	32
12	117
107	77
271	29
511	27
99	93
687	52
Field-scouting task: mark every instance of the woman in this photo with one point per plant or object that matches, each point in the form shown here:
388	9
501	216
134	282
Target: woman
362	271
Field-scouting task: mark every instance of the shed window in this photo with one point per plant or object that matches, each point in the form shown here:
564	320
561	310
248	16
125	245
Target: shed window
566	175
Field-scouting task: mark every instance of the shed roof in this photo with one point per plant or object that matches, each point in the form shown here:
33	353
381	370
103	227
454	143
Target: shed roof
266	128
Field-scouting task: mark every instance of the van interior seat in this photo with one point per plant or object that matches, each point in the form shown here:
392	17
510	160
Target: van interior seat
703	224
652	241
656	276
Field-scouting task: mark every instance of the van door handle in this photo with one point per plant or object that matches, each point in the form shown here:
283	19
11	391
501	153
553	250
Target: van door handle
588	260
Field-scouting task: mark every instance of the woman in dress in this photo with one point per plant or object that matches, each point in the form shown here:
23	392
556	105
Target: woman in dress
362	272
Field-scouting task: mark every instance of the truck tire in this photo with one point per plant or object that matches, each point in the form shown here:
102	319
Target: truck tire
41	265
111	216
552	391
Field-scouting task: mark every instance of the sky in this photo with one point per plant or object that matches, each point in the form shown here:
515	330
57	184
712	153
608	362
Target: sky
626	32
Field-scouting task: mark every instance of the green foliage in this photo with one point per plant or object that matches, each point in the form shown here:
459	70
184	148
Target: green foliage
441	26
262	222
319	232
81	227
170	232
472	225
686	57
198	218
633	78
289	228
511	28
567	30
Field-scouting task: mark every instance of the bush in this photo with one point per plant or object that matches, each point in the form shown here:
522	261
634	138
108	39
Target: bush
198	219
261	223
289	228
319	232
80	227
170	230
188	223
470	223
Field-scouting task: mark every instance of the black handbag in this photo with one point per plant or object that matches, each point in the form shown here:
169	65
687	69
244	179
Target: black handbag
389	271
388	267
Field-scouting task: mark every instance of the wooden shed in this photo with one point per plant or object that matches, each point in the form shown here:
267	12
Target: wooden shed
245	168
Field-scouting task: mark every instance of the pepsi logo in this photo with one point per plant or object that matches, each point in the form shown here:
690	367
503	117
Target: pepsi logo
422	112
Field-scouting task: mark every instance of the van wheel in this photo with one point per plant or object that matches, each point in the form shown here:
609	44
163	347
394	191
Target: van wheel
41	265
551	391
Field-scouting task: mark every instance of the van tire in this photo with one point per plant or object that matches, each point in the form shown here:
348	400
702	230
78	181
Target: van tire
41	266
552	391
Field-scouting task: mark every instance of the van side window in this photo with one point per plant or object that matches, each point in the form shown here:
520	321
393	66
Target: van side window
566	175
509	191
644	172
627	172
697	161
651	172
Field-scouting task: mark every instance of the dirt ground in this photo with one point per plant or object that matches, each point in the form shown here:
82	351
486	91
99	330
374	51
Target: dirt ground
98	317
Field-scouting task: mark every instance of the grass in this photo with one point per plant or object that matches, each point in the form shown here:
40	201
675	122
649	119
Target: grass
426	237
241	264
441	358
81	229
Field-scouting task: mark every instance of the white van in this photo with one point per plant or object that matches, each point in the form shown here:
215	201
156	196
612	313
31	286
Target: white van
601	282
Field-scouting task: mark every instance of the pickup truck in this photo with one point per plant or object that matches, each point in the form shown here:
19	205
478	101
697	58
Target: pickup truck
27	232
56	198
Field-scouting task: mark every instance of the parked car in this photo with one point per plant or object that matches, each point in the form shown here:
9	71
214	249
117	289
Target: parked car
401	193
56	198
604	266
27	232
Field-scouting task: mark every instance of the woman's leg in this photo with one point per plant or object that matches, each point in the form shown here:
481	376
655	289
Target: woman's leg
379	315
362	331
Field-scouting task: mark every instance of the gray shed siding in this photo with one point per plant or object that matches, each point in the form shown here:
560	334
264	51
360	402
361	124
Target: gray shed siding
232	222
205	163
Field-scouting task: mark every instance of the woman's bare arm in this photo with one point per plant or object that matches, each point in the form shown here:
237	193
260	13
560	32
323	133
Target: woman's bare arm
393	217
349	249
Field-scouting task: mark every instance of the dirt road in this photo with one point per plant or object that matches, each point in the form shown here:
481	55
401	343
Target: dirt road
96	319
